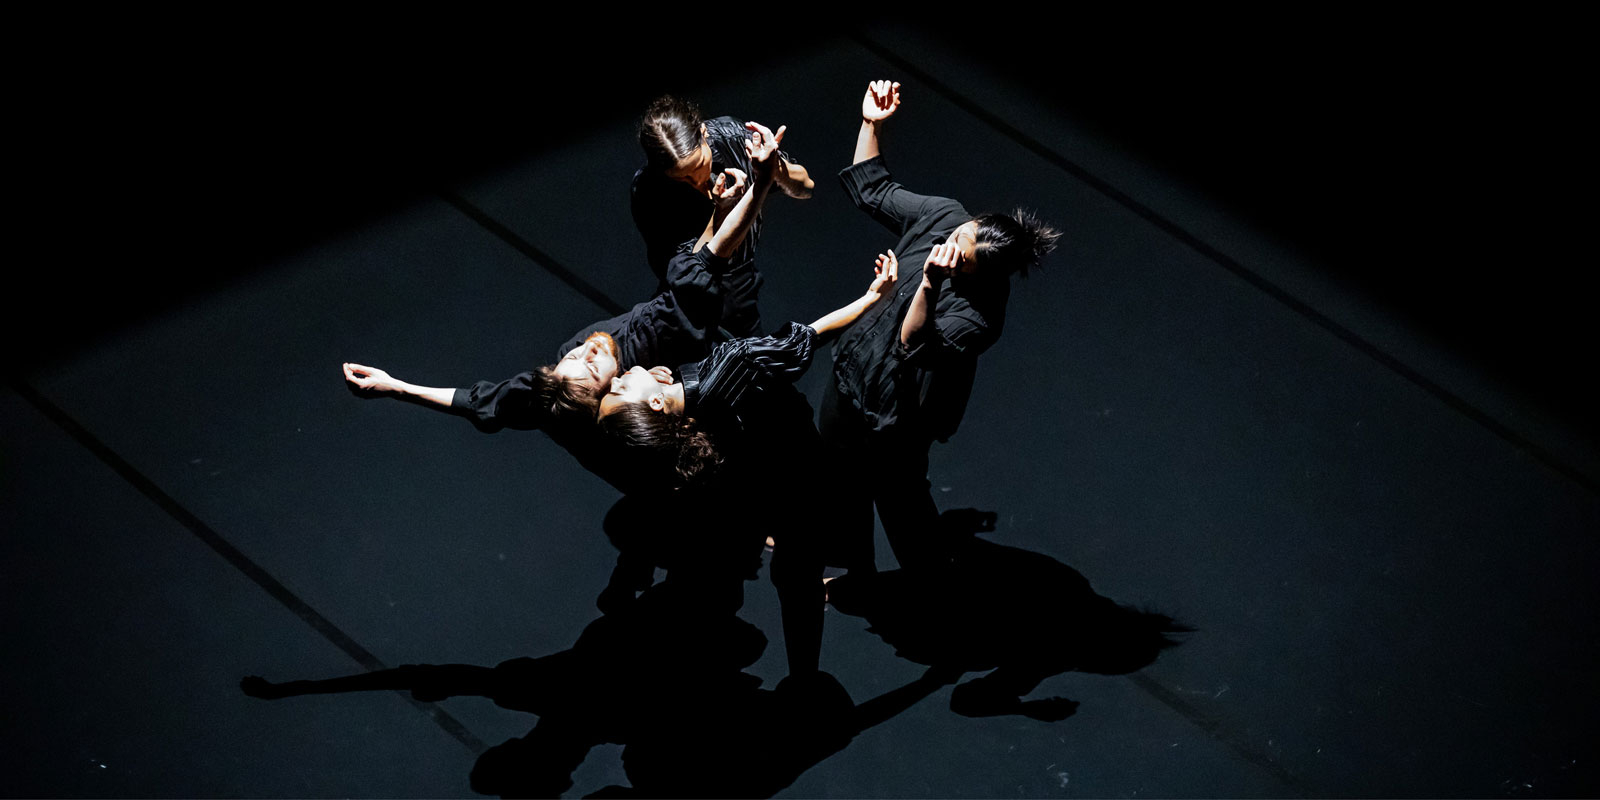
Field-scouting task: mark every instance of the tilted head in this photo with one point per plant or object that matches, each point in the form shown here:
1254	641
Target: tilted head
652	388
575	384
674	140
644	411
1005	243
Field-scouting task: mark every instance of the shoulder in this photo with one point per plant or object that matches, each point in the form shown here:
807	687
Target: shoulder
981	307
944	210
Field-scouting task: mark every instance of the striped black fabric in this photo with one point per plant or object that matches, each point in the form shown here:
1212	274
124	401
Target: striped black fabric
728	382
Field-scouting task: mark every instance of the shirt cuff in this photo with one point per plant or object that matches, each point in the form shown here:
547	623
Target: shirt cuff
714	264
907	355
857	178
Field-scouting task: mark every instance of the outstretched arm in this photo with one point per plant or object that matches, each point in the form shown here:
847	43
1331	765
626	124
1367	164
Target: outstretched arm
885	272
375	380
879	103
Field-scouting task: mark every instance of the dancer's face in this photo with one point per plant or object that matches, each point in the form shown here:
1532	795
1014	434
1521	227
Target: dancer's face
653	387
695	168
592	364
966	240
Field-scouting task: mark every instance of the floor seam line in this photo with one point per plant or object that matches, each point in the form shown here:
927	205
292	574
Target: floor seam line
233	556
543	259
1213	728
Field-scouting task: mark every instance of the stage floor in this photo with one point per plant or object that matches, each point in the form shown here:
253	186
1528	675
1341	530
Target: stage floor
1388	562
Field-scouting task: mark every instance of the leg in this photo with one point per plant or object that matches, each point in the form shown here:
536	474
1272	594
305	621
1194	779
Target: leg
849	538
797	575
904	499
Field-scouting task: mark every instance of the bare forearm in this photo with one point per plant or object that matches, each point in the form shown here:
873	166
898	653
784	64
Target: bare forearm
705	235
840	318
731	231
378	382
430	395
866	142
438	396
795	181
916	324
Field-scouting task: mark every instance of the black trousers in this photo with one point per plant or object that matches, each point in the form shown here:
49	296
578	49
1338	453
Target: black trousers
886	470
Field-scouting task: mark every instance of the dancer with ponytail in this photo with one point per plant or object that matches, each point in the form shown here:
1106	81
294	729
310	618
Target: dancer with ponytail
671	194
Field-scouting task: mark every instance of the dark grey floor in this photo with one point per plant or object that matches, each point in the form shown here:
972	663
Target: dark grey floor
1388	548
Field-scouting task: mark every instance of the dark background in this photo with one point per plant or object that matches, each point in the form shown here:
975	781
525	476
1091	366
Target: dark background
1434	164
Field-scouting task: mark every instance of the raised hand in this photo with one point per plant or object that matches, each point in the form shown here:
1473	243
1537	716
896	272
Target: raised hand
880	101
726	195
369	378
762	148
943	261
885	273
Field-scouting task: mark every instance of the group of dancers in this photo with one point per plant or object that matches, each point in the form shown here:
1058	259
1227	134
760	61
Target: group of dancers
686	407
692	412
681	402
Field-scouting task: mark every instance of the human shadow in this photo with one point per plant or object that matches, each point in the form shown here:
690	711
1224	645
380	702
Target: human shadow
656	657
1021	614
661	672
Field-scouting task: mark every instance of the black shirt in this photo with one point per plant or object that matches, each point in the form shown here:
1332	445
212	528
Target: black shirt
676	325
745	382
668	212
924	390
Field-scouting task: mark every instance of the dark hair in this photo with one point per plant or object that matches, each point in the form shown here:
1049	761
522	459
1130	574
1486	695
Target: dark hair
1012	242
1119	639
669	131
673	442
563	400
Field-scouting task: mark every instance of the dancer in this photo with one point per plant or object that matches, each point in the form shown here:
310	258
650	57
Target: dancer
902	374
729	394
704	278
670	193
735	426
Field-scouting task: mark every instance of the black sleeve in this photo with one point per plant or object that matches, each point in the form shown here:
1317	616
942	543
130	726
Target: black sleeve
515	403
874	191
959	335
727	136
687	312
695	279
736	367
